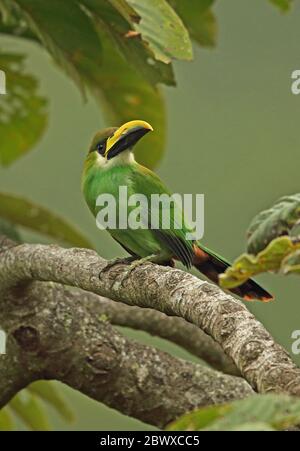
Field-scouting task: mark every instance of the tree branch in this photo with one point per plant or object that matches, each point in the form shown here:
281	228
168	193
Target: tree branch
176	330
264	364
55	332
156	323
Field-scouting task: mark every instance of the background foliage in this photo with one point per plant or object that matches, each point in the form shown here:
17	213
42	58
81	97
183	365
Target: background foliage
230	116
256	413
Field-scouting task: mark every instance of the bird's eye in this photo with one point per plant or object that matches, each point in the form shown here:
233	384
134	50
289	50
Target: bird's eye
100	148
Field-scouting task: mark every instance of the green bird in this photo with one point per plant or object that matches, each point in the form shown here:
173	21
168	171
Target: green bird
110	164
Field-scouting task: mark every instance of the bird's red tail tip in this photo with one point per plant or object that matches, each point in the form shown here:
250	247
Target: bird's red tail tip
264	299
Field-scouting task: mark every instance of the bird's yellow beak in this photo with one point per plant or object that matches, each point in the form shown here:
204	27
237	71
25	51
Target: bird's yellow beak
125	137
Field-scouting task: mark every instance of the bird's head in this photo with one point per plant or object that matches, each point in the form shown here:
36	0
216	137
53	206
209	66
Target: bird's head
111	142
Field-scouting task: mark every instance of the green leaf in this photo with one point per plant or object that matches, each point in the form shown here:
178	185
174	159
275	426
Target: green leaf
28	408
125	95
199	419
199	20
291	263
283	5
116	17
12	22
9	229
162	29
37	218
23	116
6	421
253	427
68	34
272	258
273	244
122	89
127	11
273	222
48	392
258	412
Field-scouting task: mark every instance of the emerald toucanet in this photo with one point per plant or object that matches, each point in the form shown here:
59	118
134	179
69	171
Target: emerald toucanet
110	164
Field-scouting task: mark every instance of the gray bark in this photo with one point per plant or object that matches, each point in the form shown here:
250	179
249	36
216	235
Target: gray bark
263	363
67	342
55	332
176	330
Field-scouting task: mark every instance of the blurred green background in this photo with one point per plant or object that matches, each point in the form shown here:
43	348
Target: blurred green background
233	134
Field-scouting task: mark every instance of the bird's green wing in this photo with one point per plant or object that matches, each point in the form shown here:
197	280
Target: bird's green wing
174	236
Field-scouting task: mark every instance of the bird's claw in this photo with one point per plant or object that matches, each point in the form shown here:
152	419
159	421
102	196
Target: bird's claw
118	261
135	264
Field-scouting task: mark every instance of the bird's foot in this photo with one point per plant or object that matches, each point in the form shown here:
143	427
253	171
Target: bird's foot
119	261
135	264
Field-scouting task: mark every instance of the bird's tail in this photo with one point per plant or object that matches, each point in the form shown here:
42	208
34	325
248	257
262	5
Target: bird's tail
211	265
